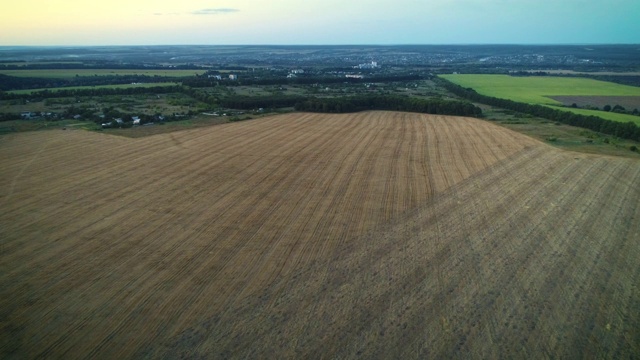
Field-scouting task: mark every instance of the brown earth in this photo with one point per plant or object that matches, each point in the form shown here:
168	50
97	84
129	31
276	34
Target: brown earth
627	102
374	234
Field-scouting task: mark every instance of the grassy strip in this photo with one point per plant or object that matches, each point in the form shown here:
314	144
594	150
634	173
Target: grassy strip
603	114
559	135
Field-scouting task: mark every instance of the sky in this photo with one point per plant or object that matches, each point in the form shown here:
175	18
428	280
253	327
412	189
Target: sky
317	22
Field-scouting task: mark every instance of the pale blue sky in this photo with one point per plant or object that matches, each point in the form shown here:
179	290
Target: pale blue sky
157	22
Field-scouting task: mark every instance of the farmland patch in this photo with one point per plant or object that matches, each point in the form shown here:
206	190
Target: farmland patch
542	90
628	102
370	234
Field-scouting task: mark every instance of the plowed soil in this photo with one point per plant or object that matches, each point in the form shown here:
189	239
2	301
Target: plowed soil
375	234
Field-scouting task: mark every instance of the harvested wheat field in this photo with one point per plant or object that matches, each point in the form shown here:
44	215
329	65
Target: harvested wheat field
373	235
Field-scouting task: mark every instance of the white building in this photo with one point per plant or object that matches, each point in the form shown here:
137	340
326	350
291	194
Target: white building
372	65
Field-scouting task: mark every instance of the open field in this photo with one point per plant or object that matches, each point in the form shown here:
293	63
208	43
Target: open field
603	114
375	234
562	136
540	89
119	86
572	72
628	102
71	73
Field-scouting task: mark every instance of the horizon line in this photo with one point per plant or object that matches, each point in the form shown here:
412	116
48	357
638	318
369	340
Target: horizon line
319	45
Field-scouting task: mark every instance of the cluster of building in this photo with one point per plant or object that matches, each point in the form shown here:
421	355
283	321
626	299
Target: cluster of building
294	73
36	115
372	65
232	77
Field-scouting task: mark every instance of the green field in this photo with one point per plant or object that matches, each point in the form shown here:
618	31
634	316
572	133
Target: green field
120	86
536	89
71	73
603	114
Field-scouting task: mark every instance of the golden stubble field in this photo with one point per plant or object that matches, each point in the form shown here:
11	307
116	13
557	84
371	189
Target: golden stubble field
373	235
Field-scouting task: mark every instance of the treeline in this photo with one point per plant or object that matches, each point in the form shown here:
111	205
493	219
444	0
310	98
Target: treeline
97	65
10	116
8	83
626	130
631	80
255	102
44	94
388	102
203	81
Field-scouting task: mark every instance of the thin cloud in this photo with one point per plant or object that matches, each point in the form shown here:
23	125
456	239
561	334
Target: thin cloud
217	11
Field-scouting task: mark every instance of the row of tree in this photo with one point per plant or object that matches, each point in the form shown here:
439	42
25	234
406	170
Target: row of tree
100	91
17	65
388	102
624	79
203	81
8	83
255	102
10	116
626	130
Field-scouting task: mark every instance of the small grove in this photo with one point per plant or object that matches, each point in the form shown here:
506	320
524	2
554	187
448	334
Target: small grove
389	102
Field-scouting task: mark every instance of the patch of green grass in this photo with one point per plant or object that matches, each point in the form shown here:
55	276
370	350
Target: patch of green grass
536	89
560	135
71	73
603	114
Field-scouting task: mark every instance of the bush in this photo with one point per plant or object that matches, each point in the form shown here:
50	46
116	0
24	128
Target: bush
633	148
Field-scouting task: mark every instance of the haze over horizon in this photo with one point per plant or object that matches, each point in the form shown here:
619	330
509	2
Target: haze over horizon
315	22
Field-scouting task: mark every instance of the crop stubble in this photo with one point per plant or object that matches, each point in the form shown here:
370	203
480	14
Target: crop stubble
374	233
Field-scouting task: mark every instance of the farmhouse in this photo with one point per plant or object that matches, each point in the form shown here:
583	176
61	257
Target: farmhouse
233	77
